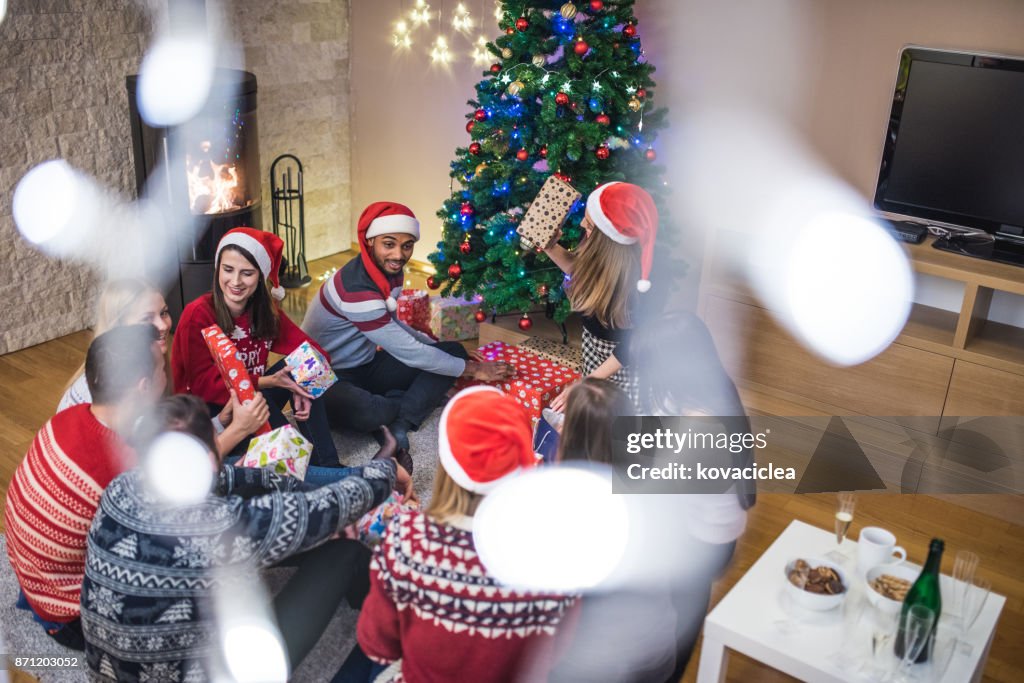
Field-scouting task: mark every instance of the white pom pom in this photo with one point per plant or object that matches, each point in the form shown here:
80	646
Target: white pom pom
643	285
277	292
391	304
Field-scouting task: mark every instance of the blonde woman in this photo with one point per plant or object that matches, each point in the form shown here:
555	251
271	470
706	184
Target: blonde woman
127	301
472	629
611	265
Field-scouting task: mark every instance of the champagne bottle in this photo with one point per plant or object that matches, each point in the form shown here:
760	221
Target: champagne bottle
925	591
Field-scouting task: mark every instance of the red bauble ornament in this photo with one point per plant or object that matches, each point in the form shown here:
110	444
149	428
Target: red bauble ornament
641	93
580	47
596	5
474	148
650	154
603	119
542	290
480	316
495	68
602	152
629	30
467	209
432	282
465	248
522	155
469	125
522	24
525	323
454	271
543	152
573	105
480	115
561	99
510	30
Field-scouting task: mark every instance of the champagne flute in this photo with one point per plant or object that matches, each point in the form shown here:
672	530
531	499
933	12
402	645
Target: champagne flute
941	649
883	625
963	573
845	503
975	596
917	627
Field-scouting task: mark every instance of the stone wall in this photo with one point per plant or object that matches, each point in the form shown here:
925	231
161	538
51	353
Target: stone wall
62	94
299	52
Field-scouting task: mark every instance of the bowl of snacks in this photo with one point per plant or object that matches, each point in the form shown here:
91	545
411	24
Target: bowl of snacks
888	585
815	583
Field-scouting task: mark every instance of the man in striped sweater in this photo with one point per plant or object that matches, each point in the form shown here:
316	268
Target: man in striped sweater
56	489
391	374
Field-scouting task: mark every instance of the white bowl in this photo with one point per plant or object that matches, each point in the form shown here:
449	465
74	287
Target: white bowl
900	571
818	602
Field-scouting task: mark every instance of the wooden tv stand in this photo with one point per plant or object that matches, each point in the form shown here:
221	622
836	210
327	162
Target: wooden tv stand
943	363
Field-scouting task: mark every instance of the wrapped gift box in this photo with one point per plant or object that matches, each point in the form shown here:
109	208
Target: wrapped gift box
563	354
454	318
414	309
536	382
371	527
231	367
283	450
310	369
547	212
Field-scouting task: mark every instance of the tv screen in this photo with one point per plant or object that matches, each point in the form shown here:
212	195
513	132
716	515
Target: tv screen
954	152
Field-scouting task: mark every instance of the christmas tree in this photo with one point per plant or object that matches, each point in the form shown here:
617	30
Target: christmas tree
570	94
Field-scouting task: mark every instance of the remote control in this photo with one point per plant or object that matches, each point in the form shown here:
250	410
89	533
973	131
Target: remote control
908	232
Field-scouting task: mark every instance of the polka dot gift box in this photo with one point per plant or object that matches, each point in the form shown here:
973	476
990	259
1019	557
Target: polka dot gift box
536	381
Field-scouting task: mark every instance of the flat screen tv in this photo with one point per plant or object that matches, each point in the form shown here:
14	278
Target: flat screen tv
954	149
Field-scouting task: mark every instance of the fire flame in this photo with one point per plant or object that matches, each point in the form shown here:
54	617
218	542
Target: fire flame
213	187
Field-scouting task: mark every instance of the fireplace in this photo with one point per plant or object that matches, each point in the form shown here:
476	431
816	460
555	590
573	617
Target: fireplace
212	168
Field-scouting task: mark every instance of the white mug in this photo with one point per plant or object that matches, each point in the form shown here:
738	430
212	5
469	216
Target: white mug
876	546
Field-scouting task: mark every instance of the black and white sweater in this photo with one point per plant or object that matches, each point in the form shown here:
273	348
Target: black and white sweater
151	568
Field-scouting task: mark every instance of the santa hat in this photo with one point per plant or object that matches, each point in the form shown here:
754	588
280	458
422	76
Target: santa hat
484	437
384	218
627	215
264	247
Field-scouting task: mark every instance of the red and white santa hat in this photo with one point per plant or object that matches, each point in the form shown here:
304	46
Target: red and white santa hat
484	437
265	247
626	214
384	218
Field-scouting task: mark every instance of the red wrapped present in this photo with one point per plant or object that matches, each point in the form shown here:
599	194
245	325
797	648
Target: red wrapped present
414	309
231	367
536	382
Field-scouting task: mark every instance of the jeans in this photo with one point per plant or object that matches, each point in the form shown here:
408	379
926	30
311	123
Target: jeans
358	668
68	634
335	571
315	474
385	390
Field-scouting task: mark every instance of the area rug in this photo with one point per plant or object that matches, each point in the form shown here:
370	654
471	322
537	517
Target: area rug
22	635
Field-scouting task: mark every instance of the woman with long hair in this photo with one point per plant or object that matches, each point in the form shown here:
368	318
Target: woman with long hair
242	305
606	273
473	629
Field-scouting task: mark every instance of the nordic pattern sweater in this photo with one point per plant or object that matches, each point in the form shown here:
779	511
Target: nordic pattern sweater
152	568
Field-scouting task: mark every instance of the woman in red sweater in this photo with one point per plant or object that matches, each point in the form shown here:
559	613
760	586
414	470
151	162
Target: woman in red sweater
432	603
242	306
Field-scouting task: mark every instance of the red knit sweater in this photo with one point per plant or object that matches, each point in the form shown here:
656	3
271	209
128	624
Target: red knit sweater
50	505
192	365
433	605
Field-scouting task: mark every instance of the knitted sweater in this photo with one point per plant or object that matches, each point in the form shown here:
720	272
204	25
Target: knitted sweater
433	605
50	505
193	367
349	318
152	568
76	394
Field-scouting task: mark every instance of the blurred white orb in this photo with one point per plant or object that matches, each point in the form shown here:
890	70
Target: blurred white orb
849	287
254	654
175	79
3	10
554	529
179	469
45	200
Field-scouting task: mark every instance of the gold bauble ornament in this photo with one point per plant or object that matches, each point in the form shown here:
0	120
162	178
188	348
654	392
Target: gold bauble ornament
506	53
480	168
539	61
568	10
635	104
514	87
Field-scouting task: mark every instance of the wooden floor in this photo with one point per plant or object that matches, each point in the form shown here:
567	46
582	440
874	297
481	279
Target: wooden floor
32	380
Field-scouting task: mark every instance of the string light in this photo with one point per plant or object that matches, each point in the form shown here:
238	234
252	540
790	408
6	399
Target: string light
480	54
596	86
498	13
462	21
420	14
439	53
401	37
